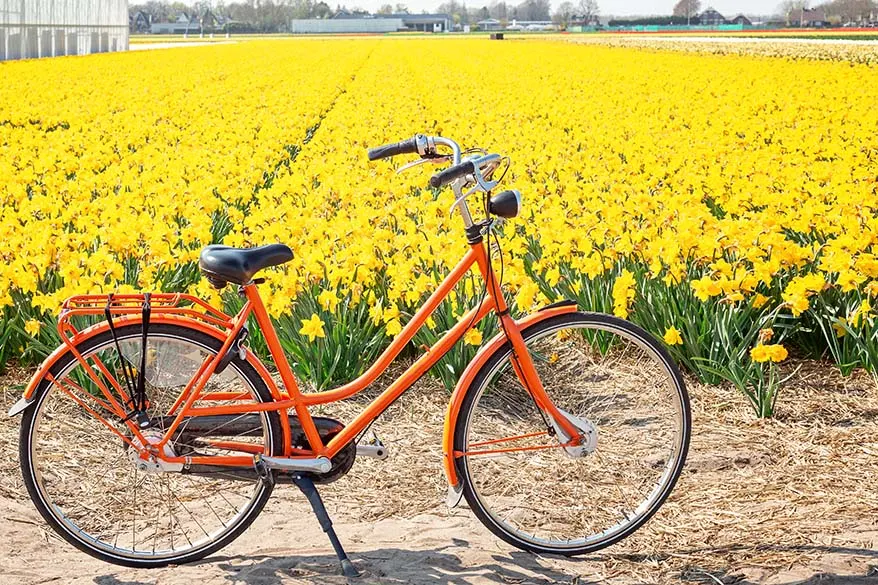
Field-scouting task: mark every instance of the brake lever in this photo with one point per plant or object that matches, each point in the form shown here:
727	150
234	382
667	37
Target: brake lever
481	180
420	161
483	177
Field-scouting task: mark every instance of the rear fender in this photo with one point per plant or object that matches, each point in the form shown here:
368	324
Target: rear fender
88	333
470	373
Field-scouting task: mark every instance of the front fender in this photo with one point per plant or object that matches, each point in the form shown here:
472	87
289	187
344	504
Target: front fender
470	373
97	329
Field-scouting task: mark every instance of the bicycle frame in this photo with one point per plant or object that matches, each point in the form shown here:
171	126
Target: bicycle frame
227	329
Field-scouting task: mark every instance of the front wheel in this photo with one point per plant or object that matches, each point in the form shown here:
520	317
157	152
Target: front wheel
614	382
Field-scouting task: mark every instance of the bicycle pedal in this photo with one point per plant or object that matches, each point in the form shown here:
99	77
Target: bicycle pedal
374	448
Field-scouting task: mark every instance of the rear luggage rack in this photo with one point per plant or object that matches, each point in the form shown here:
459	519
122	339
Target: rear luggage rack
117	310
127	306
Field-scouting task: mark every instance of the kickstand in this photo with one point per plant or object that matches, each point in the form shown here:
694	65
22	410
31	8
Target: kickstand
310	490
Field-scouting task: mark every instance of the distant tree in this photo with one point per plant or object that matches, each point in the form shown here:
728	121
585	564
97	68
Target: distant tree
401	9
178	9
543	10
836	11
498	10
385	9
199	8
533	10
449	7
587	9
563	14
687	7
457	11
856	11
320	10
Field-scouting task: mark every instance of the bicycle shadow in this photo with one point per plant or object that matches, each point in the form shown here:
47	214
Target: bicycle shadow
395	565
440	567
113	580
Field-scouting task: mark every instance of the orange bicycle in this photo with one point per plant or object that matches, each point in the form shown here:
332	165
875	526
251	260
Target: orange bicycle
153	436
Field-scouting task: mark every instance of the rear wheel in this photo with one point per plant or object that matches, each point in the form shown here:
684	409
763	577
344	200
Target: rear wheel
616	384
86	482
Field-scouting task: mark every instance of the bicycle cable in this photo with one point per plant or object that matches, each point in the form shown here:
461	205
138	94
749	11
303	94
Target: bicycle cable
127	367
508	161
514	356
484	283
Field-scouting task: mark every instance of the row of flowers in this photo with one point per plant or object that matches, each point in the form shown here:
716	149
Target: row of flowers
706	197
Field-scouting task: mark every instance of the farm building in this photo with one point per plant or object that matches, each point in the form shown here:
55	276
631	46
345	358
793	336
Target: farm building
489	24
206	22
711	17
52	28
426	22
814	17
346	22
345	25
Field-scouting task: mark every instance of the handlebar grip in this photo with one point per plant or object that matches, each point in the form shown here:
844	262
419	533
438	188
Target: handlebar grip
409	146
442	178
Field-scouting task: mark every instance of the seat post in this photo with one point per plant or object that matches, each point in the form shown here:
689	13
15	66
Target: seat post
283	367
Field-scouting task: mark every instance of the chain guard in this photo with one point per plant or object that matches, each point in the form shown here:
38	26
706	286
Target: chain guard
250	425
342	462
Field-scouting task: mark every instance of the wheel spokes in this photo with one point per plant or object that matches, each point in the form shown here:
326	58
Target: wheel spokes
86	468
550	497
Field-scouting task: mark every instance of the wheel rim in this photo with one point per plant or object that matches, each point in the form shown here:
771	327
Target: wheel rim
621	387
97	494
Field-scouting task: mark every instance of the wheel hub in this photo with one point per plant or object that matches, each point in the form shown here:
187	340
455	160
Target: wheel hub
152	464
588	435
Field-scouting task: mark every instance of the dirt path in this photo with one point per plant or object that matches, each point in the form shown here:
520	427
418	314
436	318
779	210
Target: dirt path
786	501
286	545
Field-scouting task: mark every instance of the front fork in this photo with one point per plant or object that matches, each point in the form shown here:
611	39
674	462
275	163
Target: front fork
523	364
521	360
526	372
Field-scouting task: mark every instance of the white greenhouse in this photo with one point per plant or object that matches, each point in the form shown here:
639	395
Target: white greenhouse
52	28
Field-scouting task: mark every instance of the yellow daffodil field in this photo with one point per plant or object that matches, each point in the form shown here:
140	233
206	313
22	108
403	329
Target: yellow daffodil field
723	201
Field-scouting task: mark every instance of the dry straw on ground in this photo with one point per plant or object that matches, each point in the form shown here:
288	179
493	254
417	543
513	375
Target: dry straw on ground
773	501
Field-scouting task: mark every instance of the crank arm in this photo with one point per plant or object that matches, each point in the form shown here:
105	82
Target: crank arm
374	448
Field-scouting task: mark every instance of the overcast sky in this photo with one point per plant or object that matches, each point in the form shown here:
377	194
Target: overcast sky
728	8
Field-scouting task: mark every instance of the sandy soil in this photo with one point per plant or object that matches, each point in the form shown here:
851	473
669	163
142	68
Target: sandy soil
787	501
285	545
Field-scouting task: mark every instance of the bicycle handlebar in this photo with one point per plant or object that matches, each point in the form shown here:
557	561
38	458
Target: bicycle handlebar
480	167
426	147
444	177
409	146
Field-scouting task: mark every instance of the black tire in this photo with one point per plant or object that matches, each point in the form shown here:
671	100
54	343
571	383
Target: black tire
543	330
91	546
